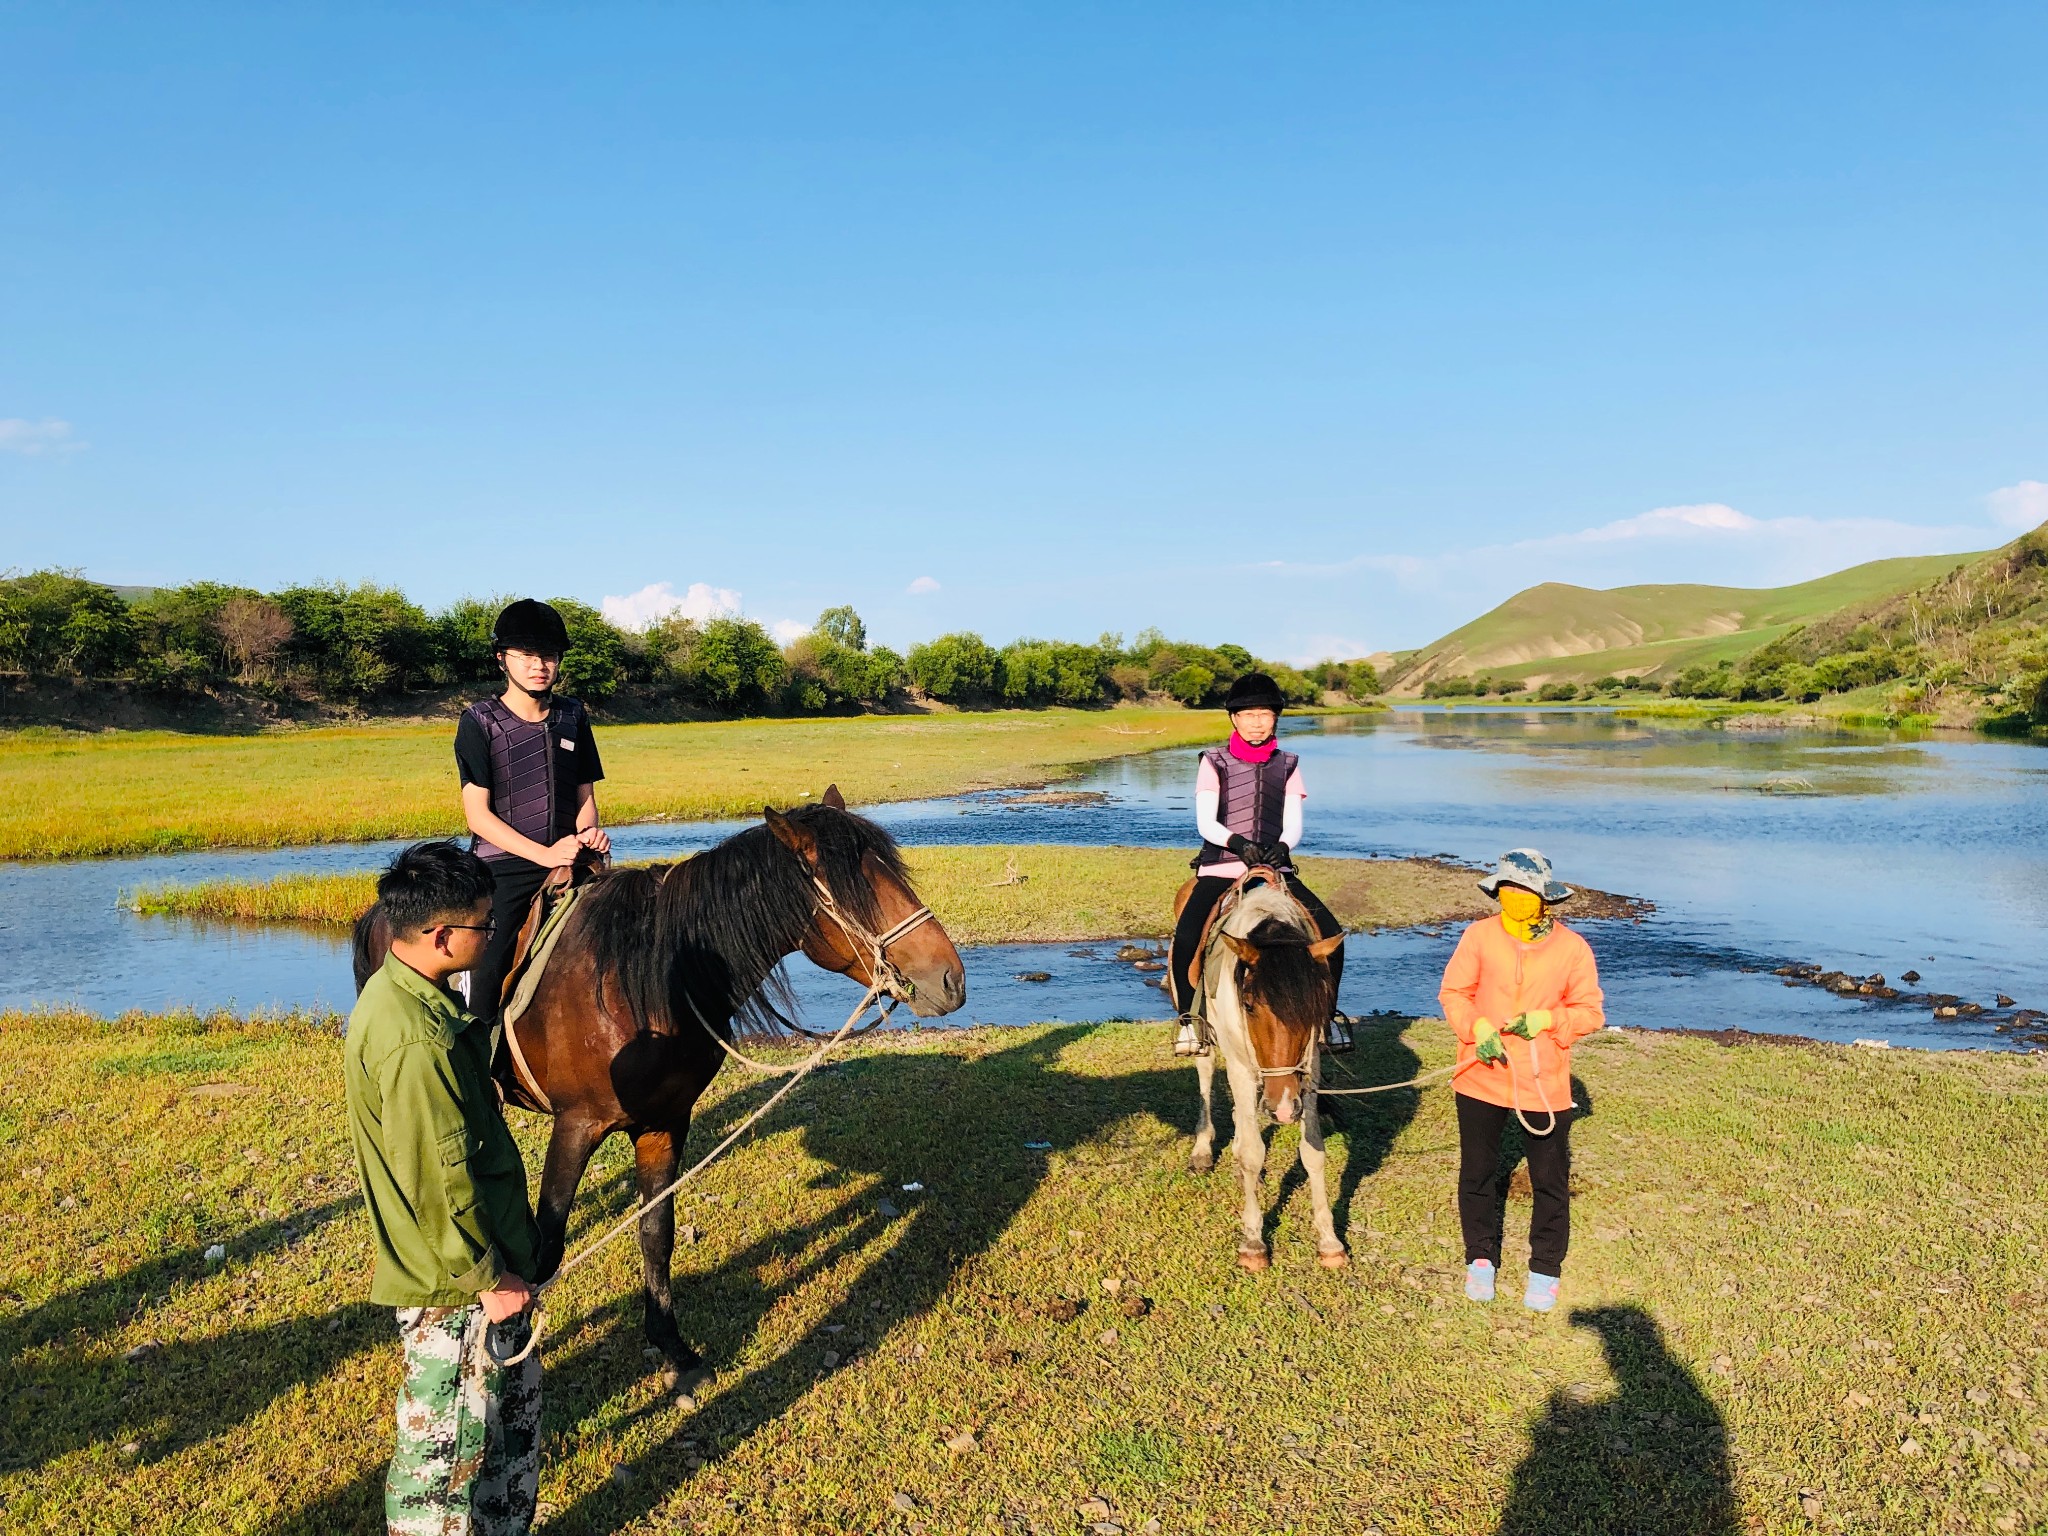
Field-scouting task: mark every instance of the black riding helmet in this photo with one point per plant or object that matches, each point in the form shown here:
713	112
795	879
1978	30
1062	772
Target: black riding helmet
532	626
1255	690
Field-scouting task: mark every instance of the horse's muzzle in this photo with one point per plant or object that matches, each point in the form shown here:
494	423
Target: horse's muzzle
939	994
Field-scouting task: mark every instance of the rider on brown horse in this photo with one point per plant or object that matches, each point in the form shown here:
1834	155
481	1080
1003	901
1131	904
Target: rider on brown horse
1248	796
529	782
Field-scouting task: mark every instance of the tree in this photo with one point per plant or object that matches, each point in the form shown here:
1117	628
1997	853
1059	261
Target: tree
842	626
252	631
178	629
1191	685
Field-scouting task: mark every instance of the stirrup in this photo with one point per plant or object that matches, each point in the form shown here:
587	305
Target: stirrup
1189	1041
1337	1033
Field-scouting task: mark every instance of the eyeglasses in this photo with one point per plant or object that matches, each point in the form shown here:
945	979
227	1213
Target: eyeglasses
489	927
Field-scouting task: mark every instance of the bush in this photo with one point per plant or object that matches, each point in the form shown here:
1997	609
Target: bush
595	663
1447	688
1608	684
1557	693
55	622
178	630
737	665
1051	672
462	636
1191	685
357	641
954	669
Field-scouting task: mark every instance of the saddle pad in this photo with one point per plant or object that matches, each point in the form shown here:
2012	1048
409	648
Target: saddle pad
537	956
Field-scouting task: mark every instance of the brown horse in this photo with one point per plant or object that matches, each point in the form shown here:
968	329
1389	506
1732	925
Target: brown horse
657	964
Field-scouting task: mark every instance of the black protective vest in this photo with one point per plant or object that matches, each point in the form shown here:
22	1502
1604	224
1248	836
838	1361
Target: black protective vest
1251	799
533	786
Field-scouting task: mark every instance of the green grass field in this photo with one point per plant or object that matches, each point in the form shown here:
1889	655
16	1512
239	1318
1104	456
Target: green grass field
985	894
64	794
1803	1296
1577	634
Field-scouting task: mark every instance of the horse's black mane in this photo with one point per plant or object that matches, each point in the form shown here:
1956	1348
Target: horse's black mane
713	930
1292	983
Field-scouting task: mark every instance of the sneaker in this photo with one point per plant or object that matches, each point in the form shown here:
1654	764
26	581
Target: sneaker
1542	1293
1479	1280
1337	1036
1189	1042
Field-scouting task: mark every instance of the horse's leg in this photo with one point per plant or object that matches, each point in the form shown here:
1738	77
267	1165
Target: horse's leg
570	1144
655	1155
1329	1249
1203	1157
1248	1151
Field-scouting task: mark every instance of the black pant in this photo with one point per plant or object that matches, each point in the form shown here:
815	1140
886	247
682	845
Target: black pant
1480	1125
511	898
1187	933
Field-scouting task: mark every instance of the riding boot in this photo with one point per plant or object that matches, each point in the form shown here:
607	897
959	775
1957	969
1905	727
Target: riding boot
1192	1037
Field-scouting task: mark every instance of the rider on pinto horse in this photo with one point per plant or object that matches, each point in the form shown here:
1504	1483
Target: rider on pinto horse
529	773
1248	796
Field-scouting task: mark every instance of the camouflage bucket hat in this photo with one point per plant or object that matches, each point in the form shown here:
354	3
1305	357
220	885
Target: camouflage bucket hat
1531	871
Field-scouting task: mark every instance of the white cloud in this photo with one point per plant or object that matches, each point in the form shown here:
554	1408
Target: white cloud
922	585
786	630
33	438
1670	522
660	600
2020	506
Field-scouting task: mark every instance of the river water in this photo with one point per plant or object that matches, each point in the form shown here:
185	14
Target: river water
1857	851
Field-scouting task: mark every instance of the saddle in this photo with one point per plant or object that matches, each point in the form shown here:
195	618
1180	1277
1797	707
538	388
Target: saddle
545	919
1218	914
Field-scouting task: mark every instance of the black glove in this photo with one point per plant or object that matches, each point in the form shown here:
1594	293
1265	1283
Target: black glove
1244	848
1279	855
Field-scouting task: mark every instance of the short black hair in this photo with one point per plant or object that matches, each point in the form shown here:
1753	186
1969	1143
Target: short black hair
429	881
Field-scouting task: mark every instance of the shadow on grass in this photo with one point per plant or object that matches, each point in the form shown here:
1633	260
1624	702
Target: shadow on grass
956	1122
1650	1461
1369	1123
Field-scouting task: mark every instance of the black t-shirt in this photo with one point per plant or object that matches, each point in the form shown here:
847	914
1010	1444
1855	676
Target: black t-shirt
567	720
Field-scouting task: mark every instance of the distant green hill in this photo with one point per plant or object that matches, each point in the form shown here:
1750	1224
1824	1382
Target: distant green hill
1561	633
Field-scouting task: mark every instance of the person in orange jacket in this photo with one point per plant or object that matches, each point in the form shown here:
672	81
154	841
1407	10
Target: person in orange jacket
1521	974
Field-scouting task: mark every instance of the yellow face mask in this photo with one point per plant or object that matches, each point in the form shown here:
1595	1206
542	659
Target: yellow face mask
1523	913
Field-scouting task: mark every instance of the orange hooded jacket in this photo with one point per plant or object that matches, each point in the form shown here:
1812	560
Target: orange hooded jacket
1495	976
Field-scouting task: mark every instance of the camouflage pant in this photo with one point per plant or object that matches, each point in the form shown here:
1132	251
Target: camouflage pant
468	1455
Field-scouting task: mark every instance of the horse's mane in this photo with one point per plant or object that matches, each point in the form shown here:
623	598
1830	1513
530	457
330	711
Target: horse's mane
1292	984
714	929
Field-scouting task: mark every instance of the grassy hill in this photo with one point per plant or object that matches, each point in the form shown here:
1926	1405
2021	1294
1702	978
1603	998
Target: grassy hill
1559	632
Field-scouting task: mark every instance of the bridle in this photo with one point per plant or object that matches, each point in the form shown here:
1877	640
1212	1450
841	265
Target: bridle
885	977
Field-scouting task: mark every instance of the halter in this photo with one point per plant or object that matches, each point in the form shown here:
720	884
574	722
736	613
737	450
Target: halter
885	977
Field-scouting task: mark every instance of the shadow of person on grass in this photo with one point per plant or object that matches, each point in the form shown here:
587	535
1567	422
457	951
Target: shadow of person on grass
956	1122
1652	1460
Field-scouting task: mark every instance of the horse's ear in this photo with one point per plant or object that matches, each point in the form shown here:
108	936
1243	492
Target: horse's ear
798	840
1244	949
833	798
1322	949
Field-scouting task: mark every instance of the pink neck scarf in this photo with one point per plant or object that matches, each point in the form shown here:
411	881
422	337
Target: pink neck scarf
1245	752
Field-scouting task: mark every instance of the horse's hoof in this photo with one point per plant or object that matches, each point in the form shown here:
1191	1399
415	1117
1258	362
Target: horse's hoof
1201	1162
1253	1261
1336	1260
693	1383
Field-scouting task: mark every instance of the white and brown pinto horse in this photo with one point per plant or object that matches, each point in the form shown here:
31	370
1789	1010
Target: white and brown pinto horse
1265	975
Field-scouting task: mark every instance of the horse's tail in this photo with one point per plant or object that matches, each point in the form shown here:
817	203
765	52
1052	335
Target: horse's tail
371	943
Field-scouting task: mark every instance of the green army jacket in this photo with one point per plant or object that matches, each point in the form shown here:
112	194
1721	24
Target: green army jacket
440	1171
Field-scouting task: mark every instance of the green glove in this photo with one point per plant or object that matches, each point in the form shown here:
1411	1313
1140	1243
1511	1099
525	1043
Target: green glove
1487	1039
1531	1024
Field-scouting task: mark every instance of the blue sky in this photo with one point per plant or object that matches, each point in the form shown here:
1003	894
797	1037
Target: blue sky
1316	328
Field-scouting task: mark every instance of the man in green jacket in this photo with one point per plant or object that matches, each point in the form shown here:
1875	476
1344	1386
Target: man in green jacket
448	1208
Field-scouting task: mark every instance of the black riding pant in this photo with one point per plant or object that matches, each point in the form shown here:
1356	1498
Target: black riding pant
1187	933
1480	1126
511	898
